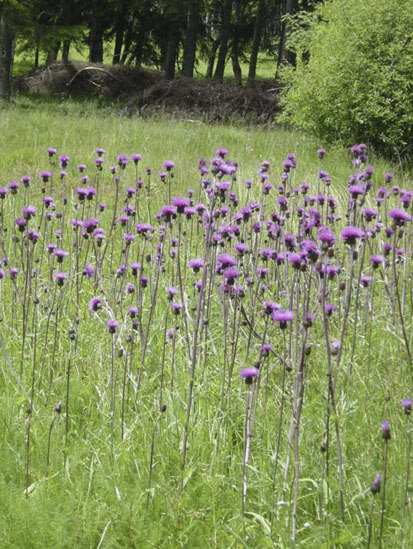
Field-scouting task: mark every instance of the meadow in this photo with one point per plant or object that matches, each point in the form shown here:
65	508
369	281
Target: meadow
205	335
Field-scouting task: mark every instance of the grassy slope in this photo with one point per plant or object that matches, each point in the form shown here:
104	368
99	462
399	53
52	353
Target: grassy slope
96	494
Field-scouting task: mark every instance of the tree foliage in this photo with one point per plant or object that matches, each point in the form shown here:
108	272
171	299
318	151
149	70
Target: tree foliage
354	73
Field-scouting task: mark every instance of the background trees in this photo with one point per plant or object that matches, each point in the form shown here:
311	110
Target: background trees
167	34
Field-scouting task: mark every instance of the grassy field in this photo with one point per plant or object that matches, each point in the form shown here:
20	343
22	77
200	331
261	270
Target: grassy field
109	466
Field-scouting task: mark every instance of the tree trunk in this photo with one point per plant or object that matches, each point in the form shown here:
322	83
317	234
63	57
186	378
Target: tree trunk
138	50
119	33
65	20
188	63
128	41
171	52
256	40
289	5
36	57
96	42
224	36
118	46
7	44
211	58
65	52
236	67
52	54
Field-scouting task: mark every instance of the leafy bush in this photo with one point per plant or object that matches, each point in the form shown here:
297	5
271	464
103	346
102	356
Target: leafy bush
353	80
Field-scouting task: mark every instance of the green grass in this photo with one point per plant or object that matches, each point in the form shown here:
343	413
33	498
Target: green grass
95	497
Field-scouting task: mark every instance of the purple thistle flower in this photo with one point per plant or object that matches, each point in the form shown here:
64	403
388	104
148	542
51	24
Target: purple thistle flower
171	291
168	213
123	220
45	176
221	152
329	308
33	235
295	260
135	267
365	280
265	349
135	158
3	192
60	278
407	405
128	238
48	201
400	217
321	153
356	190
60	255
130	288
335	346
176	308
241	248
90	224
51	151
14	271
375	487
13	186
21	223
332	271
196	265
112	326
81	193
63	160
230	275
350	235
168	165
25	180
376	261
81	167
88	270
95	304
120	270
369	213
283	317
224	261
249	374
122	160
385	430
143	228
90	192
270	306
133	312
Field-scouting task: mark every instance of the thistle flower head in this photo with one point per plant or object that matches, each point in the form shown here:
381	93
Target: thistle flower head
112	326
283	317
375	487
385	430
60	278
350	235
400	217
407	405
249	374
95	304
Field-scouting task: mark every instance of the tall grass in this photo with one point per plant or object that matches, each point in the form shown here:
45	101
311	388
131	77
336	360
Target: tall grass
121	466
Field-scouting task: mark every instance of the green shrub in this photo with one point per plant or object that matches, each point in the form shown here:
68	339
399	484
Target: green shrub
354	76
